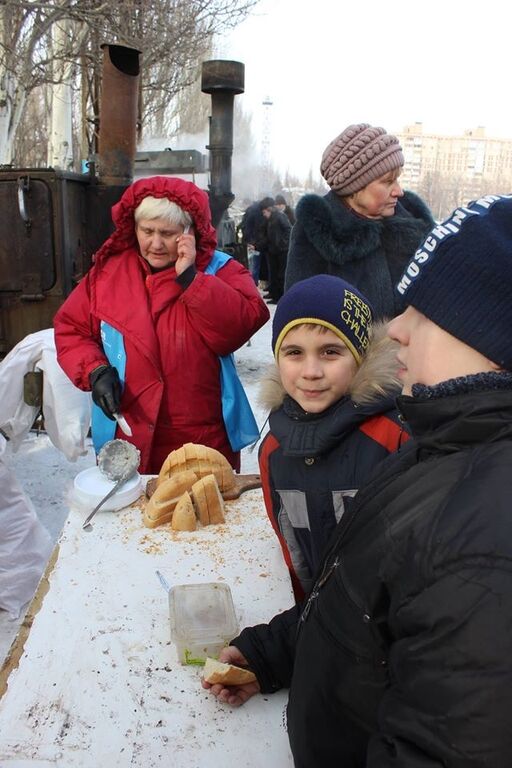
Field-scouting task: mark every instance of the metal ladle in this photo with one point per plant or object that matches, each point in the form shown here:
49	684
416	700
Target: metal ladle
118	460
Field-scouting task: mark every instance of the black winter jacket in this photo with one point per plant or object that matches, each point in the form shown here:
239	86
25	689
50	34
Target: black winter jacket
253	224
402	656
329	238
278	233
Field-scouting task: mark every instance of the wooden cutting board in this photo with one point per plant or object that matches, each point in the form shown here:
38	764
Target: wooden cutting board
242	483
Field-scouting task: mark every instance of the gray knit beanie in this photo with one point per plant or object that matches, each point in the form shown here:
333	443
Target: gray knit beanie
359	155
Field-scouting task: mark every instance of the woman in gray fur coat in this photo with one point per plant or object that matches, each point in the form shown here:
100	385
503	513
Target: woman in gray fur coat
366	228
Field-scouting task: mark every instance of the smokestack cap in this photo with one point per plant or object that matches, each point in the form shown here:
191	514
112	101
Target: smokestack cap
221	75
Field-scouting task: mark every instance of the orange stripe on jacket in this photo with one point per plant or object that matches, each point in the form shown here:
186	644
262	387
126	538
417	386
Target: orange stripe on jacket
385	431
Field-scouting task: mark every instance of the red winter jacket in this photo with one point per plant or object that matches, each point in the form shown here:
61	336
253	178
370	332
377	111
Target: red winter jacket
172	335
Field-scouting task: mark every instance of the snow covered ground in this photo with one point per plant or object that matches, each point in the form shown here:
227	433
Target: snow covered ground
47	476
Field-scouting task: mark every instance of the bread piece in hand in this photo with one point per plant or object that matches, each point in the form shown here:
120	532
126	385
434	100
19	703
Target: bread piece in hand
208	501
199	459
184	515
160	507
226	674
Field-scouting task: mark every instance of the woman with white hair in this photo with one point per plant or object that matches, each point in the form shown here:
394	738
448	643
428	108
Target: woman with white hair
151	327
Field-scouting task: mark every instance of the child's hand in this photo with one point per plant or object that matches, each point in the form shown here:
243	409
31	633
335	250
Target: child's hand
234	695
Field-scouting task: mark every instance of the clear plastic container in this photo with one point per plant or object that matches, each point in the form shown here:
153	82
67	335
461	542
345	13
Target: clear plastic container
203	620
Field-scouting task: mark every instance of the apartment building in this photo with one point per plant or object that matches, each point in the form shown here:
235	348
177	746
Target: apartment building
449	170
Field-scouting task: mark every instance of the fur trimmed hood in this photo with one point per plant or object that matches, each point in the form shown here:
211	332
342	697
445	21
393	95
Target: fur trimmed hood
376	377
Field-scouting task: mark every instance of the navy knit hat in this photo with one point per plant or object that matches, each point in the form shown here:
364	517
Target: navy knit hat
329	301
461	277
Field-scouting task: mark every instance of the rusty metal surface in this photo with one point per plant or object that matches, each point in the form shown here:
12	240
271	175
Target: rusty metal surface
26	249
43	249
223	75
223	80
171	162
118	110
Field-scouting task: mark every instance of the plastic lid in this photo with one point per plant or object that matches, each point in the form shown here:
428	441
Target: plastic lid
202	612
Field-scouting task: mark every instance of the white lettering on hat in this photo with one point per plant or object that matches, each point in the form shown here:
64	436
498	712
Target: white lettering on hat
403	284
488	200
430	243
447	228
357	316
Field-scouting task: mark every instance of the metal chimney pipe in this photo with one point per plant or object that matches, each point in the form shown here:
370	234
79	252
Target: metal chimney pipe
223	80
118	114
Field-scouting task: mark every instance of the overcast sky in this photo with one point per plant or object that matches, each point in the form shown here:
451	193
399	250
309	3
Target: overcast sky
328	63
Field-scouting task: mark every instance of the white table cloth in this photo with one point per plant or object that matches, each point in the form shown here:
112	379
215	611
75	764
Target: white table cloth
99	683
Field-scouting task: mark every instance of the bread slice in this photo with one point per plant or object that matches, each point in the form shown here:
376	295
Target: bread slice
208	501
200	459
160	507
214	500
200	502
184	515
226	674
165	472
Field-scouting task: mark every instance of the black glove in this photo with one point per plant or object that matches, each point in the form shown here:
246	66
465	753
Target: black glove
106	389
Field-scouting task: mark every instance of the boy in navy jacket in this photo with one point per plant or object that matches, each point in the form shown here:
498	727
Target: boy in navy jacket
332	419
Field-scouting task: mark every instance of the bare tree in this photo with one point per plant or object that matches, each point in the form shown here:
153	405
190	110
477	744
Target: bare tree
173	36
188	111
25	63
31	146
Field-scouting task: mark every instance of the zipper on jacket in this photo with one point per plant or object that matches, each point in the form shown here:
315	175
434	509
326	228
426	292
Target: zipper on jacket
402	430
328	570
324	577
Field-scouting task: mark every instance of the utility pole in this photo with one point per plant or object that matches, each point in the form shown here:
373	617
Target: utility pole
267	103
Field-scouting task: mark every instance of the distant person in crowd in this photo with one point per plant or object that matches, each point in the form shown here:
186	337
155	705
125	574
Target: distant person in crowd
254	228
366	228
150	326
278	240
251	221
333	415
283	206
401	655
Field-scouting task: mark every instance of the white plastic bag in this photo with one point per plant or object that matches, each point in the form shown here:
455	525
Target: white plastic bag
66	409
25	544
16	417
